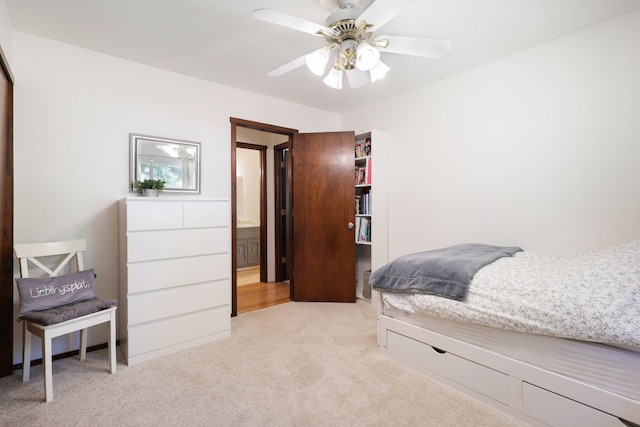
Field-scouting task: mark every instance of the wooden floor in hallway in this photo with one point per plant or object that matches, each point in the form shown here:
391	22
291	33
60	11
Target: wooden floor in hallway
255	295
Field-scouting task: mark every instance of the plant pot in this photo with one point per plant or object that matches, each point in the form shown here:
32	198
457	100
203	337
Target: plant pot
150	192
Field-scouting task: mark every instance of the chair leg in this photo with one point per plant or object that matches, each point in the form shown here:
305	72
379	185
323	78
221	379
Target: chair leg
46	367
112	343
83	343
26	352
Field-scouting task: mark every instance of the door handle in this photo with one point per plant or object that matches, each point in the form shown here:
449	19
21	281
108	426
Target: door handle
350	226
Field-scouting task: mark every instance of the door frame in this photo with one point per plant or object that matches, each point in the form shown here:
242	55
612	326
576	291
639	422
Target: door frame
282	181
235	122
6	248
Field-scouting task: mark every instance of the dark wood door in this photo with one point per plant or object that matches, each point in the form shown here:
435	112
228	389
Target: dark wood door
282	182
323	213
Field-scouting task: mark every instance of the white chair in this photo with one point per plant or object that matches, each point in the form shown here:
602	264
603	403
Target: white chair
68	251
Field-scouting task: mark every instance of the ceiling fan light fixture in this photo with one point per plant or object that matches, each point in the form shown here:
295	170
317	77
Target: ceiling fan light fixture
334	78
353	50
317	61
367	56
347	55
378	71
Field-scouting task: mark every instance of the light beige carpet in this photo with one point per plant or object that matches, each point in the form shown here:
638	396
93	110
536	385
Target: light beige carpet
294	364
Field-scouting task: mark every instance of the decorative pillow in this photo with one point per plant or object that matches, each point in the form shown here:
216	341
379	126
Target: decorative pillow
69	311
37	294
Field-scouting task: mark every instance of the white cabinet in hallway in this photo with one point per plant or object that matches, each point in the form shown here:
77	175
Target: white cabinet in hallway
175	275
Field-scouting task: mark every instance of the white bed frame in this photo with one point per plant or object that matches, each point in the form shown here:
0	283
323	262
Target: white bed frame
530	393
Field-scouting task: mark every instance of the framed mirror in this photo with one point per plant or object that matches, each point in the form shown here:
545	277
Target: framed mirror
175	162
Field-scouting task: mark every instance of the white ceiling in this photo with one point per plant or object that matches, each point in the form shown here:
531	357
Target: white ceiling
220	41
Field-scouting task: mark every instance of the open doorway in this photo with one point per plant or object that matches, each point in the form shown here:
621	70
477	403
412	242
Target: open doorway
257	142
251	209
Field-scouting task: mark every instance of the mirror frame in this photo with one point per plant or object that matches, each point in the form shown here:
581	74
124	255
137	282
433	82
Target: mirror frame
135	141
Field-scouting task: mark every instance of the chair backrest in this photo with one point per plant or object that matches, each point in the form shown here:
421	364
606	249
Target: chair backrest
70	250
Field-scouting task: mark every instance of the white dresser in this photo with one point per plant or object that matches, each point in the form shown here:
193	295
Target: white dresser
175	275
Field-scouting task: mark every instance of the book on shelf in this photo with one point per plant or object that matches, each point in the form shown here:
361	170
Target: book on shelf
363	149
363	230
363	203
367	172
363	178
360	176
363	173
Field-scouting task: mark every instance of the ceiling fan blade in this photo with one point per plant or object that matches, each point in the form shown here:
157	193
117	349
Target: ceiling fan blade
281	18
383	11
285	68
427	48
357	78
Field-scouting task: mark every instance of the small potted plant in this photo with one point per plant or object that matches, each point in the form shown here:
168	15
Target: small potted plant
150	187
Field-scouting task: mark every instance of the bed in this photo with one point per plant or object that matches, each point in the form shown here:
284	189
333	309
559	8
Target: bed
552	340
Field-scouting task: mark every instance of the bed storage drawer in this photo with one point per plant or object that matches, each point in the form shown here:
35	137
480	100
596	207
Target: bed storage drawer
481	379
556	410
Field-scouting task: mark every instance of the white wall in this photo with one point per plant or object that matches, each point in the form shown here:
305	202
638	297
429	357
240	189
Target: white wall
248	199
74	110
5	31
539	149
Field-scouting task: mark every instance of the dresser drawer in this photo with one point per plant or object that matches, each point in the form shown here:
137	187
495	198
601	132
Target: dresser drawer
481	379
158	245
153	215
148	306
206	214
161	334
155	275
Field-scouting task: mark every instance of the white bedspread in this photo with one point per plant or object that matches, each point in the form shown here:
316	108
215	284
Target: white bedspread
593	296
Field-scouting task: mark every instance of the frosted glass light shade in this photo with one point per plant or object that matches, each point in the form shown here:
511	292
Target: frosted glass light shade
357	78
367	56
317	61
334	78
378	71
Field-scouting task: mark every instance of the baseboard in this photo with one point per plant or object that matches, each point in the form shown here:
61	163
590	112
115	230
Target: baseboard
65	355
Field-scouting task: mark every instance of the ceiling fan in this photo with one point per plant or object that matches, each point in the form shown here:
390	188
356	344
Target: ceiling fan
352	46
